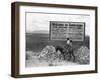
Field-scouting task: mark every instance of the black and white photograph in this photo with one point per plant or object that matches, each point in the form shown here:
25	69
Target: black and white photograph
57	39
52	39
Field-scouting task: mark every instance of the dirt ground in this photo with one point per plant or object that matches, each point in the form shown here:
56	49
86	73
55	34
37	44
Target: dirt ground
35	61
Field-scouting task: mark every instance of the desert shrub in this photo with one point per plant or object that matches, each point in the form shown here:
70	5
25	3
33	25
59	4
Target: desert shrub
47	50
29	55
49	54
82	55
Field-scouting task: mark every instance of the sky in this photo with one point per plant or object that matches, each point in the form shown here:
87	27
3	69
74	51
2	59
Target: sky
40	22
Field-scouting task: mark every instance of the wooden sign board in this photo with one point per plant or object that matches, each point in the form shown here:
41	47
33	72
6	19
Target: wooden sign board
60	30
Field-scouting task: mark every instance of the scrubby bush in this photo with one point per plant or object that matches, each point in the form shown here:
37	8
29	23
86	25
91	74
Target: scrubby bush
47	50
49	54
29	55
82	55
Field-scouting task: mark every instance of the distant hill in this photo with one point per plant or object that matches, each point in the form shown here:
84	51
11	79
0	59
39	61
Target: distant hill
39	32
37	36
37	41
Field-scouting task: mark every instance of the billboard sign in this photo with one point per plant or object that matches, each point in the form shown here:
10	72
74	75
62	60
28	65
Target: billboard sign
60	30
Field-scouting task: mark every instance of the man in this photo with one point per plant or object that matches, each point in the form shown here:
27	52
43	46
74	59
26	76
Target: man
68	50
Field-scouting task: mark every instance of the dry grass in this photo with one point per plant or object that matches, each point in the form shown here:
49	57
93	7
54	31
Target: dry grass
47	57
